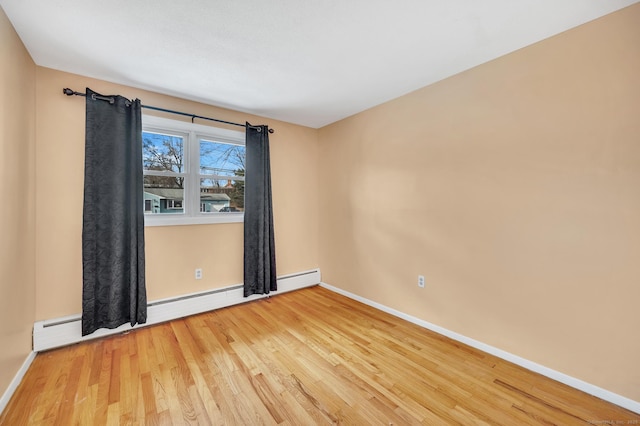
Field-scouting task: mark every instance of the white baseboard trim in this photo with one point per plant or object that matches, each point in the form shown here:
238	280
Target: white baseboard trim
67	330
599	392
8	393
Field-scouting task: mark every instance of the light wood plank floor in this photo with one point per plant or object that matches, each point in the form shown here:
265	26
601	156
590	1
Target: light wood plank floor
300	358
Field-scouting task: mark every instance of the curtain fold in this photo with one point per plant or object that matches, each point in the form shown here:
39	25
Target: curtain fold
259	243
113	264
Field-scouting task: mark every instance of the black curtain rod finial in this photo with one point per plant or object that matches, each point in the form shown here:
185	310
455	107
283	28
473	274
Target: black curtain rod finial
270	130
68	91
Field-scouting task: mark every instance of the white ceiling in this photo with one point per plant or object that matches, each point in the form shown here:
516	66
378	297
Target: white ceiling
308	62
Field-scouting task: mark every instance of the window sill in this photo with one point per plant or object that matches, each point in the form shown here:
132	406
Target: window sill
177	220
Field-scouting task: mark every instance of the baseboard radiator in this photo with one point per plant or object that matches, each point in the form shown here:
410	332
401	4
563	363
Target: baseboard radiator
65	331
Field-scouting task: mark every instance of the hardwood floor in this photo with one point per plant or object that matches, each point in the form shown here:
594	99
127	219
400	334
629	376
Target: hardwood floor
300	358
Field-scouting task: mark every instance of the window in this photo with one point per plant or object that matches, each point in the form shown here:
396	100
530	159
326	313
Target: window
174	204
193	174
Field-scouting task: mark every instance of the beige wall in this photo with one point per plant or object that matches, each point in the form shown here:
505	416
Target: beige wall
17	241
514	188
172	253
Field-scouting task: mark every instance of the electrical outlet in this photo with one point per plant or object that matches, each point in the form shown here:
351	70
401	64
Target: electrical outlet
421	281
198	274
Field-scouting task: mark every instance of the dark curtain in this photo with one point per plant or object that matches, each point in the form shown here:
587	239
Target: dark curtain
113	291
259	243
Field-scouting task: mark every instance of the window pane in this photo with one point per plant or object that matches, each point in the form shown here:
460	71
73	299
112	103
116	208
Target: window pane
162	152
163	194
221	195
222	159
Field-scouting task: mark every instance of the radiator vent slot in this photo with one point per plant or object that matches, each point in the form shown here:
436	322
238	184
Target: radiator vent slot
193	295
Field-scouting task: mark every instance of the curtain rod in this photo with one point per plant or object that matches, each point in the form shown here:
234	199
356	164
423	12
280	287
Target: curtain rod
70	92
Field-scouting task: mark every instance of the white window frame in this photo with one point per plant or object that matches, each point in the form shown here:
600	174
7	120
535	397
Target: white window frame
192	134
